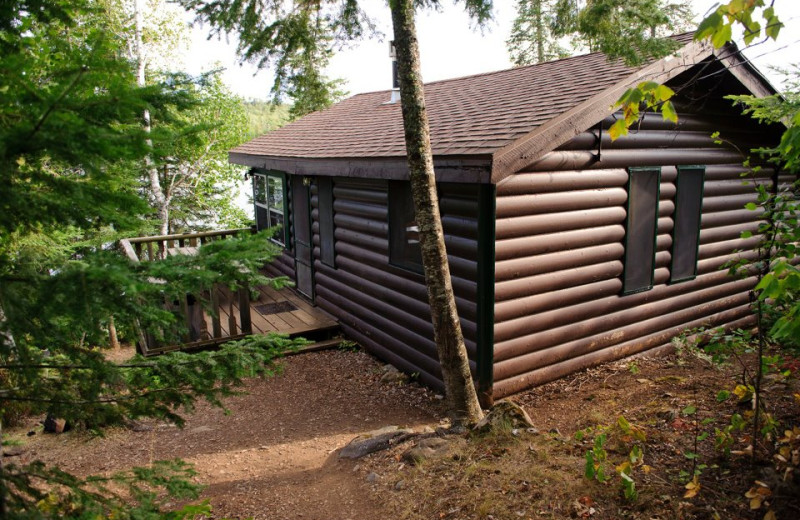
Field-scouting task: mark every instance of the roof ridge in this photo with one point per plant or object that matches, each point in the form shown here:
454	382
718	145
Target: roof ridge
678	37
487	73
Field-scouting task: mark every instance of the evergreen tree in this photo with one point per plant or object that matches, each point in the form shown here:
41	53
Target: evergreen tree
70	111
634	30
531	39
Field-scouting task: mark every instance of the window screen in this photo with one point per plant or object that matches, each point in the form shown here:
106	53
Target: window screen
326	228
404	248
268	196
686	232
640	229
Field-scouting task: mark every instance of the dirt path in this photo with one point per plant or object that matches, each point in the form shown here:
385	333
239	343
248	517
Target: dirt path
273	456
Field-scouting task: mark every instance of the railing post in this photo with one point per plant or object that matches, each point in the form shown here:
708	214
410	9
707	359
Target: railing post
244	309
216	327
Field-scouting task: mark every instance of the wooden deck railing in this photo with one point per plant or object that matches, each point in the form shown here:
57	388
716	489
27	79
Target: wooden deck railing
197	311
142	249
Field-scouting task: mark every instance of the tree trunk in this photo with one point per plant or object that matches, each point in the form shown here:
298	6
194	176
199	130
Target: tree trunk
113	339
540	35
461	396
159	200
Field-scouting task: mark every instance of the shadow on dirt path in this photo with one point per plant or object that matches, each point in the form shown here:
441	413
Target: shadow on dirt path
272	456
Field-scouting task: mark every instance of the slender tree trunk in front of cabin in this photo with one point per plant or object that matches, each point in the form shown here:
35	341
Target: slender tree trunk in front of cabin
160	201
7	339
461	395
113	339
3	506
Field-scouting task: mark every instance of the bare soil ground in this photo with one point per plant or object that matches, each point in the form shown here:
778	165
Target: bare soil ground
273	456
671	401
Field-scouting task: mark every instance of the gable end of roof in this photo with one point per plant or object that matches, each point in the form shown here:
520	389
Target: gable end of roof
517	155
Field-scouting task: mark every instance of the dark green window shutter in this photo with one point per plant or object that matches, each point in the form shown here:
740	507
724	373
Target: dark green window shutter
326	227
686	232
644	187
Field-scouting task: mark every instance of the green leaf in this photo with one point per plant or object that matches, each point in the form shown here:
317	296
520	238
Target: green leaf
723	395
708	26
722	36
751	206
618	129
663	93
668	112
689	410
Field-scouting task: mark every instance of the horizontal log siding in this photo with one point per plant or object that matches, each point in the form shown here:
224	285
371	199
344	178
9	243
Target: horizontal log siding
385	308
560	250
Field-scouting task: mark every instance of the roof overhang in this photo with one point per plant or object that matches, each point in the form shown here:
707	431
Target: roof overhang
467	169
531	147
524	151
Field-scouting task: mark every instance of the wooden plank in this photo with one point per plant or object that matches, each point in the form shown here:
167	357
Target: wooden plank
293	322
269	322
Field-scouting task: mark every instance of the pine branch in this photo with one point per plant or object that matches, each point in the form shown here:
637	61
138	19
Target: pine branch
60	98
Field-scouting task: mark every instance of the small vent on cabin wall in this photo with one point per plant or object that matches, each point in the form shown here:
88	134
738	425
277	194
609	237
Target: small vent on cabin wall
275	308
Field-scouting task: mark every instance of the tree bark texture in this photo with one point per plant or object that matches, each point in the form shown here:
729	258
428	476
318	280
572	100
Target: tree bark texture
461	395
156	192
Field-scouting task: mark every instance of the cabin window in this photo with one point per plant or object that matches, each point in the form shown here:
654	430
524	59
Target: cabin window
326	227
640	229
404	247
686	233
268	196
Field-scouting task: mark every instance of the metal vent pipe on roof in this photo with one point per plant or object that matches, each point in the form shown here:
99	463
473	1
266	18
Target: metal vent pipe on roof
395	76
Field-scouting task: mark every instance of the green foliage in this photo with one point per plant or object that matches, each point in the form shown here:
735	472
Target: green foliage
718	26
70	120
645	96
531	39
134	494
295	38
634	30
628	440
191	154
263	117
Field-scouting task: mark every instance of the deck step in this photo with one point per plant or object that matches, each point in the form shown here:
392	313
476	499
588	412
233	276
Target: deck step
327	344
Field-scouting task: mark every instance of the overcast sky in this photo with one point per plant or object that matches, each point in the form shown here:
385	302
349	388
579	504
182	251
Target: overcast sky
448	47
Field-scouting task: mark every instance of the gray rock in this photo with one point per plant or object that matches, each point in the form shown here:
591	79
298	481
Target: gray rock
13	451
393	376
505	415
400	485
372	477
138	426
373	441
434	448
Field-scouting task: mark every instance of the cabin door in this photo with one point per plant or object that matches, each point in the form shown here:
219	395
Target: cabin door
303	248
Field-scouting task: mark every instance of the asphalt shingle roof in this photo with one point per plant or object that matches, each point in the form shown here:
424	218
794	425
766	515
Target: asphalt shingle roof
473	115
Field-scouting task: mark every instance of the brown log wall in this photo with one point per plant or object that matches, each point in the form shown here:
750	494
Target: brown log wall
383	307
560	249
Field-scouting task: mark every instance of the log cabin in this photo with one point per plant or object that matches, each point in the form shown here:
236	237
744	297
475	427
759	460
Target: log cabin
566	249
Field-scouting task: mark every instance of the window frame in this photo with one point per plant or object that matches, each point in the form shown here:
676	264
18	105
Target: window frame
680	210
400	206
629	252
280	238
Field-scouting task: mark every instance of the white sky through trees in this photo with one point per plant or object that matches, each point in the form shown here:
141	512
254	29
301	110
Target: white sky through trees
449	48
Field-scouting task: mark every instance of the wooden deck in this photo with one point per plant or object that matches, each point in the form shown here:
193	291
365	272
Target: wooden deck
274	311
221	315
